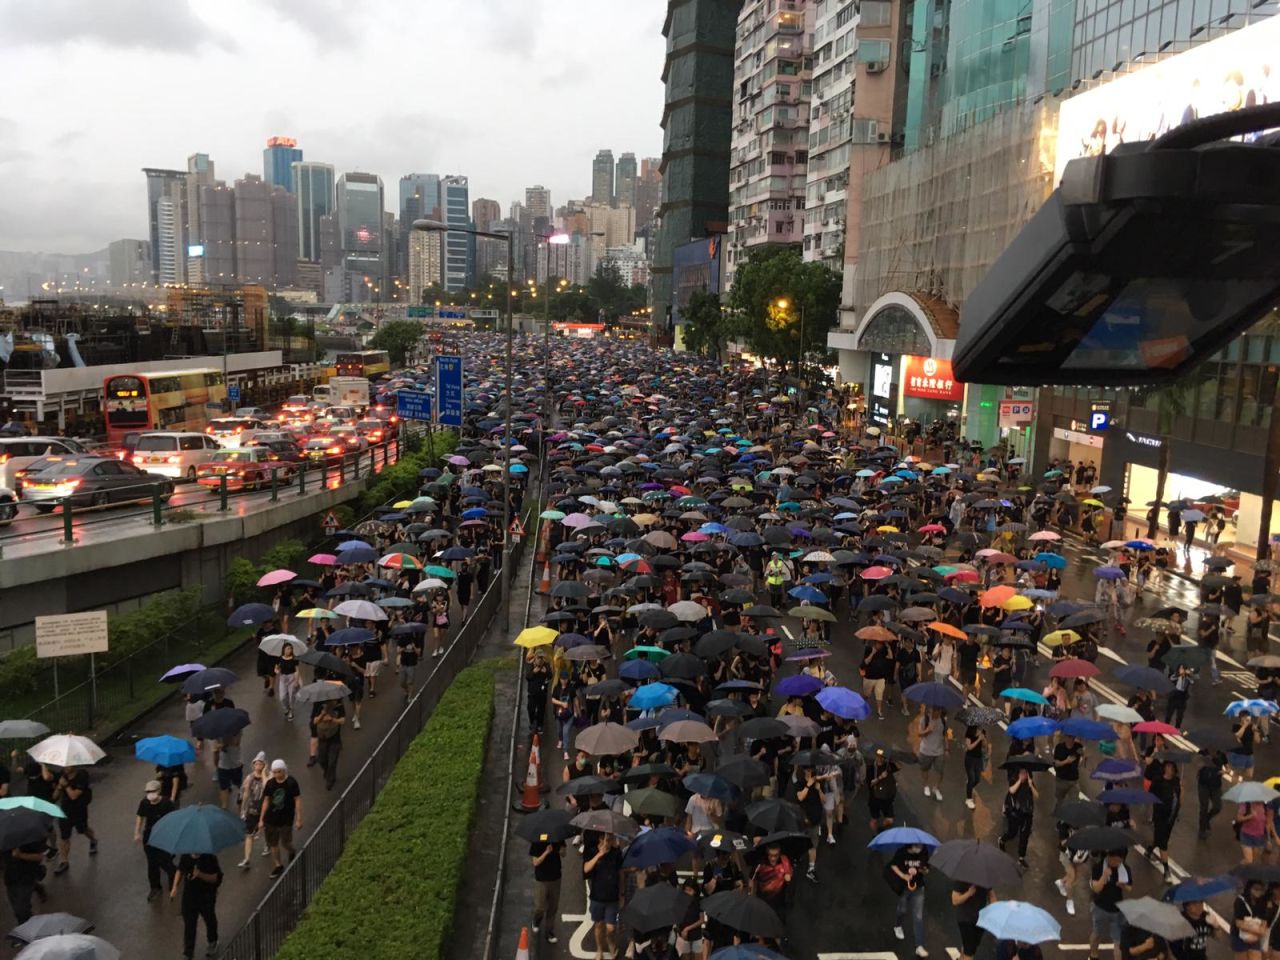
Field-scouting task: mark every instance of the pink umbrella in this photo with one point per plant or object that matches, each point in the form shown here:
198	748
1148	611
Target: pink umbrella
323	560
876	573
694	536
576	520
276	576
1044	535
962	576
932	528
1155	726
458	461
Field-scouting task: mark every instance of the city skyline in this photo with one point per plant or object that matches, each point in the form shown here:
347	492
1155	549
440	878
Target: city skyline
72	176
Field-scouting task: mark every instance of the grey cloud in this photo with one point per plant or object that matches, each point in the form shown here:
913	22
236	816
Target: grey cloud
328	22
168	26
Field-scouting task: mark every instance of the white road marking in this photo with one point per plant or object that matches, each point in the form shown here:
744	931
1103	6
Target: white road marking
578	940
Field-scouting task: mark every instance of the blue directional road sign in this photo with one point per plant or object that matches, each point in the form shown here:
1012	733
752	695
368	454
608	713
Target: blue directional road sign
233	391
449	391
413	405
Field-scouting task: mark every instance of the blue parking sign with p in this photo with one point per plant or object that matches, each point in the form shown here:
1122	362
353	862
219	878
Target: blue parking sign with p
1099	419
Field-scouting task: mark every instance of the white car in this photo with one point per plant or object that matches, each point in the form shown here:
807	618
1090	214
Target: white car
177	455
228	431
18	452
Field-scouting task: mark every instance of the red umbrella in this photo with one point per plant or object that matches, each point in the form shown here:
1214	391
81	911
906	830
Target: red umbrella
962	576
1075	668
1156	726
932	528
876	573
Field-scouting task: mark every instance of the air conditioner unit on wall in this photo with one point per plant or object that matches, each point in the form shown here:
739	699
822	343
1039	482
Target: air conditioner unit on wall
876	66
882	136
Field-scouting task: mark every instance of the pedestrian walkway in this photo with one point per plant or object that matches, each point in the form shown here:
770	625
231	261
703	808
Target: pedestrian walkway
111	888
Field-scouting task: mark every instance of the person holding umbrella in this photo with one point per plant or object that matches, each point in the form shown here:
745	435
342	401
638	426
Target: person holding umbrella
153	806
199	875
288	679
975	761
23	872
1019	811
907	873
882	789
329	739
771	878
73	794
1168	788
1110	881
968	900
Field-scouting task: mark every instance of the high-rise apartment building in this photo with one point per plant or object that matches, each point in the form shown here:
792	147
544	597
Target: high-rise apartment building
487	215
624	182
360	225
200	174
419	200
602	177
284	238
696	119
484	212
278	159
770	145
213	260
830	124
129	262
648	191
254	231
426	262
459	247
166	219
314	188
537	200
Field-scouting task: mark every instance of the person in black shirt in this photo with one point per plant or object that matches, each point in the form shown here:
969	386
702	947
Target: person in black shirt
722	873
546	856
1066	765
152	807
1110	881
200	875
410	652
73	794
604	872
1019	810
975	760
281	812
537	685
1168	787
329	739
1209	787
968	901
23	871
1194	947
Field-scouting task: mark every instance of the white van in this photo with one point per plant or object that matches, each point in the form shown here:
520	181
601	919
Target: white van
176	455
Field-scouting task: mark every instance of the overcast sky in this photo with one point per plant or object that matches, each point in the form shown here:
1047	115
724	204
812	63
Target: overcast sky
508	92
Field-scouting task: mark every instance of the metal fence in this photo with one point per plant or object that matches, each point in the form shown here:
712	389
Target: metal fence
279	911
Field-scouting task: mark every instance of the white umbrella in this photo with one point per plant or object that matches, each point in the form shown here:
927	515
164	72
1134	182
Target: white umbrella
66	750
688	611
360	610
274	645
819	556
69	946
1119	713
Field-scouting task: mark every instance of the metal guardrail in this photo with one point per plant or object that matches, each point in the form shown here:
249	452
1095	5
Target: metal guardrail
279	911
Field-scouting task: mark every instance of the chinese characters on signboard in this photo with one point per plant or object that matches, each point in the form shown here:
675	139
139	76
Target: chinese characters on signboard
931	379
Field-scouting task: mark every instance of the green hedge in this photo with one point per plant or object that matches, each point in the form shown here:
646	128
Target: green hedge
400	481
393	891
241	580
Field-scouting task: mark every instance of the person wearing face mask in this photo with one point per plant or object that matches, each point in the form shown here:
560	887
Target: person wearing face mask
154	805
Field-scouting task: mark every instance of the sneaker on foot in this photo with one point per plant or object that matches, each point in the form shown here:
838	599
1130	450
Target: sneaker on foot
1061	885
312	761
552	938
93	844
1071	908
243	864
968	802
537	927
831	839
811	875
275	872
213	949
355	724
897	932
927	791
921	952
266	851
937	794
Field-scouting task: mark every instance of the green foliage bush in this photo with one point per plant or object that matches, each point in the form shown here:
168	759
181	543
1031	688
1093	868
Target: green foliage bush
393	892
241	580
400	481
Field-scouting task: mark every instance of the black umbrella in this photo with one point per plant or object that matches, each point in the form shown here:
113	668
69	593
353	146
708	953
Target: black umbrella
646	770
605	688
546	826
743	772
764	728
206	680
1080	813
1148	678
760	610
323	660
658	619
682	665
656	906
1101	839
1081	619
588	786
975	862
220	724
18	825
776	814
571	589
715	643
739	910
1026	761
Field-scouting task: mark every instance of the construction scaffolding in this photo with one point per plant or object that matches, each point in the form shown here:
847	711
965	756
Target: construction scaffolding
934	221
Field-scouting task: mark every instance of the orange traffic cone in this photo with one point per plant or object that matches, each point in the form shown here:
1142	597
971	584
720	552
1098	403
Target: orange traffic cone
531	800
544	585
543	540
522	948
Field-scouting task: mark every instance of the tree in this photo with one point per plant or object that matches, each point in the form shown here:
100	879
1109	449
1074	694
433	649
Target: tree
780	304
703	330
398	338
608	290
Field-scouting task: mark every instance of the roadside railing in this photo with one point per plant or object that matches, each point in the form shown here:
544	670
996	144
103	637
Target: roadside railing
279	911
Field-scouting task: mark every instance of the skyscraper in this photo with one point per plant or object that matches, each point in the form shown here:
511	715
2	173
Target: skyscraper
166	218
360	225
419	200
486	215
200	174
648	191
284	238
216	263
313	184
624	186
278	160
254	230
484	212
537	201
602	177
426	262
459	248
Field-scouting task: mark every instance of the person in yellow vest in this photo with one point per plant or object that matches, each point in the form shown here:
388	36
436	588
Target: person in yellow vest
776	574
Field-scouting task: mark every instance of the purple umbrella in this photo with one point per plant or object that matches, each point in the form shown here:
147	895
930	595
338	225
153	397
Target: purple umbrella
799	685
181	672
1109	573
1115	771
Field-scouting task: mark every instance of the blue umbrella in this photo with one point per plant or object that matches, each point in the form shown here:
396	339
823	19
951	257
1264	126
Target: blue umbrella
519	468
1108	573
807	594
394	602
1087	729
652	695
349	636
954	595
902	837
1022	693
164	751
475	513
934	694
1199	888
1115	770
1256	708
1020	921
358	555
1127	796
798	685
638	670
1054	561
250	615
1029	727
842	702
657	846
709	785
1140	545
352	545
203	828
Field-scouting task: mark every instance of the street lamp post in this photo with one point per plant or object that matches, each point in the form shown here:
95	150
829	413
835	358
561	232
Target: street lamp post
435	226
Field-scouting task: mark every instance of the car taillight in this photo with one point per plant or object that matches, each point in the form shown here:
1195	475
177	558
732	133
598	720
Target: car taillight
208	429
239	429
4	458
334	450
70	484
173	458
139	458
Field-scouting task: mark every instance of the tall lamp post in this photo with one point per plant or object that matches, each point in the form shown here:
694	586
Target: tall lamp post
558	239
782	304
435	226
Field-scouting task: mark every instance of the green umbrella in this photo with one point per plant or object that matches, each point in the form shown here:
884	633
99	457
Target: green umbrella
31	803
652	802
653	653
442	572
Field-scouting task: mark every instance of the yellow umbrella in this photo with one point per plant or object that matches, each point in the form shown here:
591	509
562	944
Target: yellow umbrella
1091	502
1060	636
532	637
887	529
922	465
401	504
1017	603
316	613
